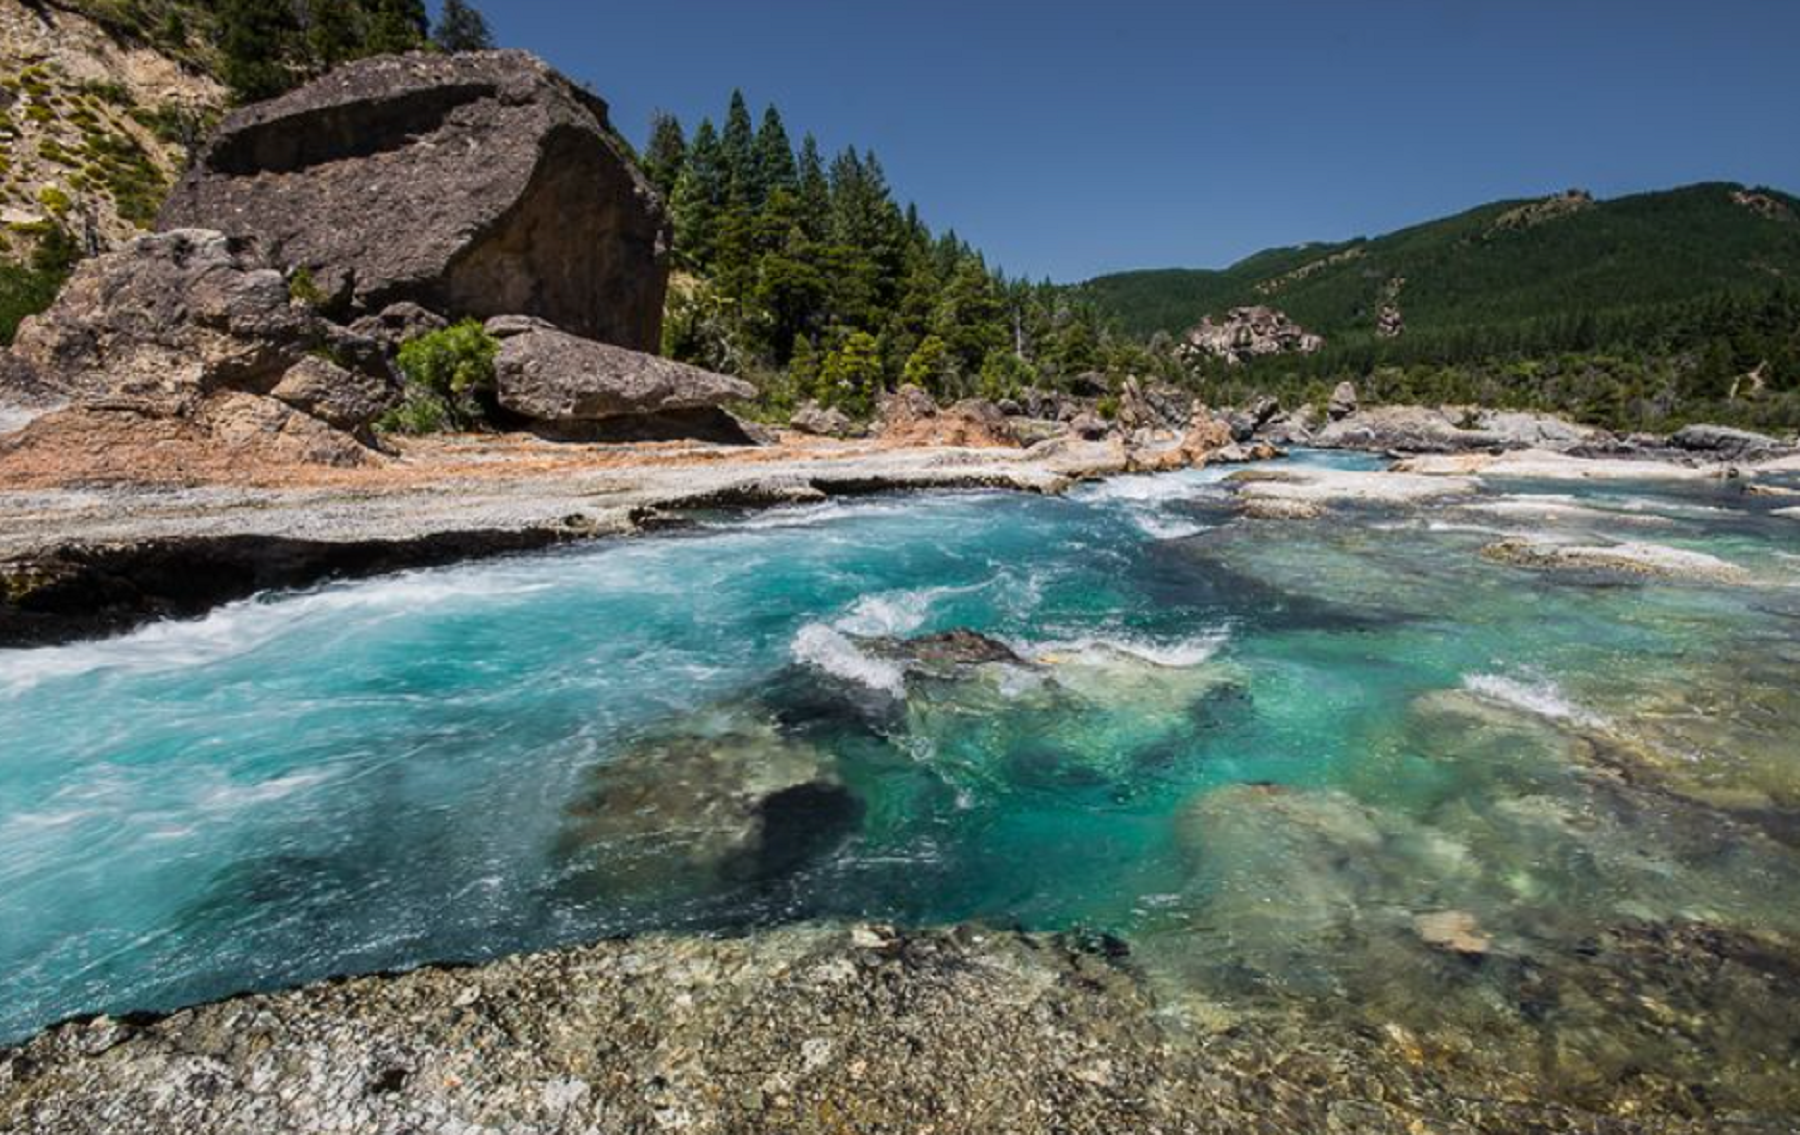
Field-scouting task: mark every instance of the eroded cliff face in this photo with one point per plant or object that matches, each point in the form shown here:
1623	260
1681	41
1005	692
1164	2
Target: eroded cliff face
473	185
94	128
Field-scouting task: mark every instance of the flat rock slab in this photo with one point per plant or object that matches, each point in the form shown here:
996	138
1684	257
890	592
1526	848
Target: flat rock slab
1537	464
1341	486
1651	560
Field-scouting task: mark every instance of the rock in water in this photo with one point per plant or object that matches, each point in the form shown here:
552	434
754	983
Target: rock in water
727	802
551	376
475	184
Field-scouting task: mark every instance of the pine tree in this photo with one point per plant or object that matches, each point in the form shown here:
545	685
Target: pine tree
256	38
738	143
699	199
461	27
775	167
396	26
334	32
790	287
666	154
850	378
929	367
814	191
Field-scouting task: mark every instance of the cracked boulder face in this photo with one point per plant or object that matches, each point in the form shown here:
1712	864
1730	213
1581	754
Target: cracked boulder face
196	330
473	185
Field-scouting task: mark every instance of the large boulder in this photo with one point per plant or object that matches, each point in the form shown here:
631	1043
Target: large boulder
199	327
555	378
474	184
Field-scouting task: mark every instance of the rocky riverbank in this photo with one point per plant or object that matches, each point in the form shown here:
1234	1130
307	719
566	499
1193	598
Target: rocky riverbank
810	1029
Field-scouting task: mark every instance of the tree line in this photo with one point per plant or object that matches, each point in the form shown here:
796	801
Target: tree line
267	47
805	275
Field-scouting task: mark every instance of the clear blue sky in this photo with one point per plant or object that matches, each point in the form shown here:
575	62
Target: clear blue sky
1069	139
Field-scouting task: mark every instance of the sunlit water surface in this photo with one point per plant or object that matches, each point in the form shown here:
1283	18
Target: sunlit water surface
1346	768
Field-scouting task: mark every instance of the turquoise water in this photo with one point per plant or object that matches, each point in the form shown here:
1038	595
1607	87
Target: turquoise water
1275	759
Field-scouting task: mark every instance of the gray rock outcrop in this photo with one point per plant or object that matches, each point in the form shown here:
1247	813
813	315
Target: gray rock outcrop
1245	333
1343	401
199	326
821	421
1722	443
473	185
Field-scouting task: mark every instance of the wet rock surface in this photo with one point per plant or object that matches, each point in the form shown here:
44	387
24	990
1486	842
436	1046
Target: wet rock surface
531	202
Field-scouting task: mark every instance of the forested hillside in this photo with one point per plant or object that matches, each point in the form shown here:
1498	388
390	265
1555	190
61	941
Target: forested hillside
1640	311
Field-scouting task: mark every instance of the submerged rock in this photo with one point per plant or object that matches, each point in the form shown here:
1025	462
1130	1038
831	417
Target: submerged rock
731	802
473	184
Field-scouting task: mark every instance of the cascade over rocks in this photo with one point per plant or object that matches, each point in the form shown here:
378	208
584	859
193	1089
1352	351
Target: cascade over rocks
475	184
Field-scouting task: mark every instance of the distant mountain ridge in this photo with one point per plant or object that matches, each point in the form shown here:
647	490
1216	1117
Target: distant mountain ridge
1504	264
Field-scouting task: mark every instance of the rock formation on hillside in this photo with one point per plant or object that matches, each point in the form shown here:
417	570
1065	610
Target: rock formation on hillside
197	328
1250	332
477	185
1535	213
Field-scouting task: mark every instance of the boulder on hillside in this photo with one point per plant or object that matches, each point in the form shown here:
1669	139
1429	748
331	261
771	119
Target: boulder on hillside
198	326
560	380
1343	401
1245	333
473	184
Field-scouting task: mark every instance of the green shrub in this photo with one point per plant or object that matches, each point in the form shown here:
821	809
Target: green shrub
26	289
303	289
54	199
449	377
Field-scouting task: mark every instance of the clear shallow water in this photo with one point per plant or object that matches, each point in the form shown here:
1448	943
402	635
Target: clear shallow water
1298	767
